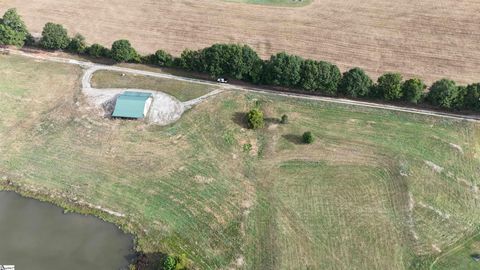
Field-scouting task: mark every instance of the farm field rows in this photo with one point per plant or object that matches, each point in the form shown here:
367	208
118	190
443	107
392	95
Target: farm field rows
431	39
376	190
288	3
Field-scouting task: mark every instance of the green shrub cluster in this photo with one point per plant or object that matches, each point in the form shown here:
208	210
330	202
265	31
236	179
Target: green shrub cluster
242	63
13	30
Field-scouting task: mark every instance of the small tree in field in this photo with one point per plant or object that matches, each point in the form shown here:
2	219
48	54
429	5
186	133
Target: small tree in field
284	119
255	119
170	263
54	37
308	137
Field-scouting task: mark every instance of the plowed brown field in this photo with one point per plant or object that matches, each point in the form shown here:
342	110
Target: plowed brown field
429	38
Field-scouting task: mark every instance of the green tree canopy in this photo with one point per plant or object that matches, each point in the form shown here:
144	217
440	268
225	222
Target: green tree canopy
412	90
192	60
320	77
472	97
14	21
255	119
8	36
444	93
12	29
54	37
162	58
77	44
97	51
389	86
170	263
307	137
355	83
237	61
122	51
283	70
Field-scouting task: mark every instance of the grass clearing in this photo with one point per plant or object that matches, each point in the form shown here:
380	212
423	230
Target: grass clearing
183	91
363	195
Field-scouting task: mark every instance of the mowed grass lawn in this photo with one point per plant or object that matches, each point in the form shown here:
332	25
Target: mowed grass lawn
183	91
376	190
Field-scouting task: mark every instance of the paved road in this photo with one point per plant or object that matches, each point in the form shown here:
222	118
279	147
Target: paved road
92	67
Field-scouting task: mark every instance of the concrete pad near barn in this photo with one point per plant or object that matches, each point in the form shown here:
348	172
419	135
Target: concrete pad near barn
132	105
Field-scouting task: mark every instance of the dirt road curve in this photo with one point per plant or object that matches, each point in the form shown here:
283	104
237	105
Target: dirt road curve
92	67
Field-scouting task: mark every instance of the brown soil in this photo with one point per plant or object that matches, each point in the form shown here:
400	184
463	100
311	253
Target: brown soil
429	38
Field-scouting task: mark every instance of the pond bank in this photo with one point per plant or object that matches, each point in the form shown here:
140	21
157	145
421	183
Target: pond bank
38	234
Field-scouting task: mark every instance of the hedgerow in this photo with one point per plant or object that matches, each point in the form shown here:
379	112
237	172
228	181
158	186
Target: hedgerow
241	62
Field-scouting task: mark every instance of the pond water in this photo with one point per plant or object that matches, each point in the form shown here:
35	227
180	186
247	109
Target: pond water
38	235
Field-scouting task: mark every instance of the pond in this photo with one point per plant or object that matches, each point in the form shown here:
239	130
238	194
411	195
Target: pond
38	235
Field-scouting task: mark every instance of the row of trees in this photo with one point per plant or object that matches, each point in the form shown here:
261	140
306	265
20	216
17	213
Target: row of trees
242	63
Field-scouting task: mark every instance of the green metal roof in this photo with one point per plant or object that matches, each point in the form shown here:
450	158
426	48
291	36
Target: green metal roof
131	104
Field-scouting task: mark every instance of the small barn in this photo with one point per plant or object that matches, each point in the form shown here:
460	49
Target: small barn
132	105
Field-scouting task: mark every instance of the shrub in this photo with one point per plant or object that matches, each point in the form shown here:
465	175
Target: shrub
308	137
320	77
162	59
54	37
283	70
77	44
14	21
389	86
12	29
412	90
247	147
255	119
97	51
355	83
122	51
8	36
444	93
472	97
192	60
170	263
237	61
284	119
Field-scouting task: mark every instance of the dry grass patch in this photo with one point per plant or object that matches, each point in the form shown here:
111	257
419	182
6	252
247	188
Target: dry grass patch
431	38
183	91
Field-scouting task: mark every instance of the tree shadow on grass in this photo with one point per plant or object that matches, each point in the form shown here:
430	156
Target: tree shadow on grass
149	261
272	120
296	139
240	118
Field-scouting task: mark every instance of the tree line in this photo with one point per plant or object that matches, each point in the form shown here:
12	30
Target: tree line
241	62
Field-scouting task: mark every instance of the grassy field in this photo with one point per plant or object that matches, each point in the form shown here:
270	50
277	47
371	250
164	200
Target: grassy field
283	3
376	190
416	38
461	257
183	91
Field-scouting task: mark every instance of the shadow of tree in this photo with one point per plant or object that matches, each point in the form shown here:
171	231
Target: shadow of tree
240	118
296	139
149	261
272	120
